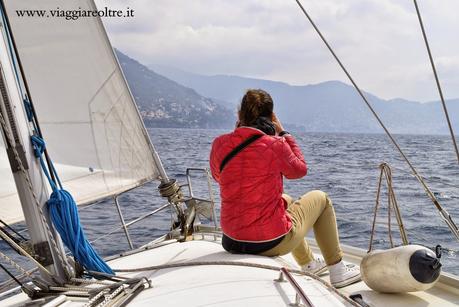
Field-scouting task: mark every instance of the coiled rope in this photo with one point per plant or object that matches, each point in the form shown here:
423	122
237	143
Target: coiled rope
62	207
10	140
64	214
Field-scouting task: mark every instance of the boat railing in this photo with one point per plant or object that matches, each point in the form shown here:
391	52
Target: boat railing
300	296
210	201
125	225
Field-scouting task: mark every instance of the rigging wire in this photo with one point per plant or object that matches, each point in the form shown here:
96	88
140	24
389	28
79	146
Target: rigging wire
13	49
62	207
12	229
16	240
23	252
428	179
386	173
443	213
7	284
410	233
15	265
10	140
11	275
437	81
64	215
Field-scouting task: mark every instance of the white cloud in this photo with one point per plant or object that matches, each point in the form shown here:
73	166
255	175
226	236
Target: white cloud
378	40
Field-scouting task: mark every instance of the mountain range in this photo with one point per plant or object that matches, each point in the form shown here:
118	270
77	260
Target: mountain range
169	97
331	106
165	103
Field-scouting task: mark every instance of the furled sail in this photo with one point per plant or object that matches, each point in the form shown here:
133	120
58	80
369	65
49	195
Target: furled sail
88	117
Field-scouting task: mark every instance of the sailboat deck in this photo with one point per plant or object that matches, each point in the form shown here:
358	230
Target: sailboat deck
214	285
228	285
445	293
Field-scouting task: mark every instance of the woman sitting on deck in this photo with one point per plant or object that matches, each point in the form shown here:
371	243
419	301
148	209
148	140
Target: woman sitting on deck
256	218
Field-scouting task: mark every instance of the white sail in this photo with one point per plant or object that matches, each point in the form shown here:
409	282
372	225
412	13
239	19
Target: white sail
88	117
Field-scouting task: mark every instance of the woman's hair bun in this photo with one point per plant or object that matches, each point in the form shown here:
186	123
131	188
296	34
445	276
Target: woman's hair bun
255	103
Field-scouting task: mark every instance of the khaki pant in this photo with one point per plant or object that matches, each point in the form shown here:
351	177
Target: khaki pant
312	210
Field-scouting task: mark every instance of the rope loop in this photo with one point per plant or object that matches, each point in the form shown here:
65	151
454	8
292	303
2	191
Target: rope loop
39	145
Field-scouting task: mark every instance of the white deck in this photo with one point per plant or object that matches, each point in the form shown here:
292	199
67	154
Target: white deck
223	285
217	285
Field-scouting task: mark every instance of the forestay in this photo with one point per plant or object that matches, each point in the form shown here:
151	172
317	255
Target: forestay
88	117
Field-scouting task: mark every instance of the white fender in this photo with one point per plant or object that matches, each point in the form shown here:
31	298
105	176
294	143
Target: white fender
401	269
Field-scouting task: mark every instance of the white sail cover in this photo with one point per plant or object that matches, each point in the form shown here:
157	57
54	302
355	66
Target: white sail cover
89	120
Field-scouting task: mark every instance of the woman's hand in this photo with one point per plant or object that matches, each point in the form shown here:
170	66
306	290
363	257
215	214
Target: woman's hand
277	124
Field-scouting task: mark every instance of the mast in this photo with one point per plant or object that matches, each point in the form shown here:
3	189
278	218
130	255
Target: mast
30	182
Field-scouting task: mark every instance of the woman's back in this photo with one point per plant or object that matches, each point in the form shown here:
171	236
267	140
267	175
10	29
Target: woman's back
251	183
249	165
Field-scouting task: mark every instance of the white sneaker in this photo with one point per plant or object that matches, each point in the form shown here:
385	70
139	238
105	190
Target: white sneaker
316	266
342	275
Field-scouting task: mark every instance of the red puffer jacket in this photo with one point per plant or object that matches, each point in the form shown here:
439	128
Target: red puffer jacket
252	207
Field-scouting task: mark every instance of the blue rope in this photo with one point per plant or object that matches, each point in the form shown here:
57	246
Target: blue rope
28	108
62	207
64	214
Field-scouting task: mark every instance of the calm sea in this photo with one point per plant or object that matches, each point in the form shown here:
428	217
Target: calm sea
343	165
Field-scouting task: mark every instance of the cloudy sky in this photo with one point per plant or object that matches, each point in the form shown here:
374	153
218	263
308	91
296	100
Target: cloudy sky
379	41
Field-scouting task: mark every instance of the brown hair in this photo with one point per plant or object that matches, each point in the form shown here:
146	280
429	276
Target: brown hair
254	104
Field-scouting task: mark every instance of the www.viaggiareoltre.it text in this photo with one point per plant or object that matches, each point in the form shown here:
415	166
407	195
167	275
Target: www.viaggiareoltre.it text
76	13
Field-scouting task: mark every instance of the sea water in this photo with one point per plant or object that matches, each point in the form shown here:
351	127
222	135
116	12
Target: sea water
346	166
